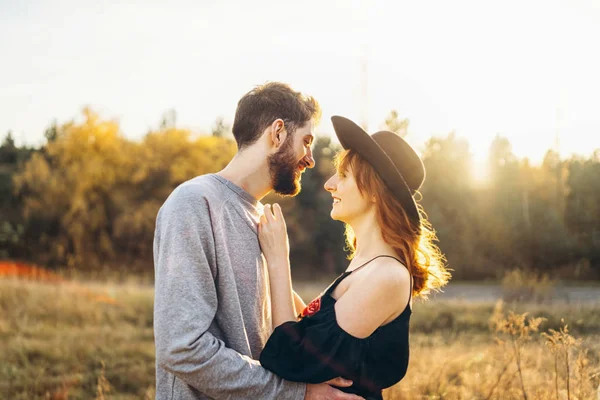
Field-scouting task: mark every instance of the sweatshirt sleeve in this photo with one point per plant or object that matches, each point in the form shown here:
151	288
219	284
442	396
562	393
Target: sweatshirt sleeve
185	305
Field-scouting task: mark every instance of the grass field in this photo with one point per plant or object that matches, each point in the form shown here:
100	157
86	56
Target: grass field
95	341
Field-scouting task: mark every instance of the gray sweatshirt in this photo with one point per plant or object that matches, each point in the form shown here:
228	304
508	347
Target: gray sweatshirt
212	310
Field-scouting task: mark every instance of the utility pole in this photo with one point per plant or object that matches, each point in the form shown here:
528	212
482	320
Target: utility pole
364	88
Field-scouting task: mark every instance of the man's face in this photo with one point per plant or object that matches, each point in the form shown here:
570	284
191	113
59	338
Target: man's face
291	160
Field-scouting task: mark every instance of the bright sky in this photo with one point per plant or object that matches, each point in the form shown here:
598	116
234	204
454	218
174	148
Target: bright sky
525	69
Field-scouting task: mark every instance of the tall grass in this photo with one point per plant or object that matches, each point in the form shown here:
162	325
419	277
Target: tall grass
511	362
67	340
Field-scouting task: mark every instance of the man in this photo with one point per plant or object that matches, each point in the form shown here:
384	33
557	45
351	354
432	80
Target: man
212	311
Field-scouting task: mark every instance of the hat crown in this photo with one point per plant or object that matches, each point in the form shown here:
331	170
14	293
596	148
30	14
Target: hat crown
403	156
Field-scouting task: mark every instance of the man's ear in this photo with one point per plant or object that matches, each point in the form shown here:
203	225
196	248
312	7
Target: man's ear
278	133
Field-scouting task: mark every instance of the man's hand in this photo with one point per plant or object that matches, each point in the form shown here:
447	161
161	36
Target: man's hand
324	391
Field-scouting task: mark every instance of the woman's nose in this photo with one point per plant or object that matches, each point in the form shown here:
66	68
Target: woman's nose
330	184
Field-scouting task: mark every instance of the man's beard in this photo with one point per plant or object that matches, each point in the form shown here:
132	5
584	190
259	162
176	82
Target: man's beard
284	172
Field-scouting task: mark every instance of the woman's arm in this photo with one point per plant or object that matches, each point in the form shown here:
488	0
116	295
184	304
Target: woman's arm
282	298
272	234
298	303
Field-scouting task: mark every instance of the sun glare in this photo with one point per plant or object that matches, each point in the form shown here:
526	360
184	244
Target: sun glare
480	173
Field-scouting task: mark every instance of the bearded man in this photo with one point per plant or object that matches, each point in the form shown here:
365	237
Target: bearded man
212	309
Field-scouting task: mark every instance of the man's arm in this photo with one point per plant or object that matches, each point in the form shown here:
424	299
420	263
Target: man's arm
186	304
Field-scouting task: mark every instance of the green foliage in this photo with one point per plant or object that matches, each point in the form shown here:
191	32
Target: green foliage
94	195
12	157
544	218
90	196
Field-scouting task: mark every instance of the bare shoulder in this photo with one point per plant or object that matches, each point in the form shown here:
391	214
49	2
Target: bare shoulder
388	274
383	288
388	281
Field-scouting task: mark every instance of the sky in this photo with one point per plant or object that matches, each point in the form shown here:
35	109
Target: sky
528	70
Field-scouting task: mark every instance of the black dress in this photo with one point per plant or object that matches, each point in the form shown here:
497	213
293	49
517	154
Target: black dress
316	349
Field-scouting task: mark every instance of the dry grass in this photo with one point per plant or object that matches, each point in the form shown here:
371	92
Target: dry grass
95	341
512	362
521	285
470	367
60	341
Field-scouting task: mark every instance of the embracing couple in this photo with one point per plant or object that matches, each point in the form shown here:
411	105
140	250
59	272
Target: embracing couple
227	322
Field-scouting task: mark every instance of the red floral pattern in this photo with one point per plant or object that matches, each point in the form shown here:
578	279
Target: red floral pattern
312	308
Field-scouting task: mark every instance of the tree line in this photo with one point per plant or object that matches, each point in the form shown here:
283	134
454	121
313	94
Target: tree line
88	199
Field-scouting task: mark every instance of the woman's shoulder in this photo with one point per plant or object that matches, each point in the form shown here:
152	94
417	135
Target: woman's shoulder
383	289
390	277
386	272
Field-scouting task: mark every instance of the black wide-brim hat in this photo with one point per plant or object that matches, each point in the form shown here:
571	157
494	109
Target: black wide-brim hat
394	160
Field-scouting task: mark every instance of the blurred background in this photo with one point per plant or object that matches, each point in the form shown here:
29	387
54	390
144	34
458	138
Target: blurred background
108	106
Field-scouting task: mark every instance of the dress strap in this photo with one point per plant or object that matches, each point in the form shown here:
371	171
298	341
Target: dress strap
346	273
372	259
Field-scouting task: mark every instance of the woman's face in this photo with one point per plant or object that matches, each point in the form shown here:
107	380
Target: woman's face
348	203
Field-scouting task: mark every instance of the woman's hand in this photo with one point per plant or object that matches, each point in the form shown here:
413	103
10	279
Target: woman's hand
273	238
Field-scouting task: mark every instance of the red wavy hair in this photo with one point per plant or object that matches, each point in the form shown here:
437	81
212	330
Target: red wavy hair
414	245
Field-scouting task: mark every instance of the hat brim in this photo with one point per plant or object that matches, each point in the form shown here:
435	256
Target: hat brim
353	137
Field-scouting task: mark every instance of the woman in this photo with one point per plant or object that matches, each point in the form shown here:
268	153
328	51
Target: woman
358	328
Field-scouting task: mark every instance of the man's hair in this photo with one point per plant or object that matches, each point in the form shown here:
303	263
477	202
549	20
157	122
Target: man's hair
266	103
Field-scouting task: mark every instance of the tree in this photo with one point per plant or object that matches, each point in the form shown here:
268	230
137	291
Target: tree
582	209
169	119
448	200
67	191
92	196
51	133
395	124
9	141
220	128
11	224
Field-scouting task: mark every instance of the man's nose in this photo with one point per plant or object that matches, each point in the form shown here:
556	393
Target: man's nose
310	161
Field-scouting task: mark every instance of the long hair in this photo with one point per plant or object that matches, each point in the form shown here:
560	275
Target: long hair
414	245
